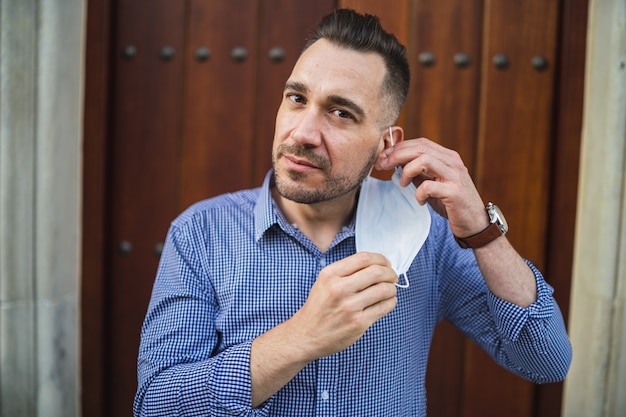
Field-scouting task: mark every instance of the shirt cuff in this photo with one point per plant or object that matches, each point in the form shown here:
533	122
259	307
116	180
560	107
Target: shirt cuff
511	319
230	383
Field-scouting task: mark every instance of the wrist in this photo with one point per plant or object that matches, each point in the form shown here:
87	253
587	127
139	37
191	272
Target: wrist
274	360
497	227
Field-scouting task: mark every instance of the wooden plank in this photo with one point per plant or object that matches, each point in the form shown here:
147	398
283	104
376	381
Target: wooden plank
443	100
144	179
284	24
219	124
96	129
513	166
569	114
516	118
443	106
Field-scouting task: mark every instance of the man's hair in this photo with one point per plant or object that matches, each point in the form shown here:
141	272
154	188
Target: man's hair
363	33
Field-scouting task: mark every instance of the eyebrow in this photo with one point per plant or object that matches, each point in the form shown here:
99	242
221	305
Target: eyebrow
349	104
295	86
334	99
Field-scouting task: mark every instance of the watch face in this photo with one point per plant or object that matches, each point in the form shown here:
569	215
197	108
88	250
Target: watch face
497	217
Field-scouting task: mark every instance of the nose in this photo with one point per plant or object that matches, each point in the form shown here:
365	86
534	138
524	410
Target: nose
307	130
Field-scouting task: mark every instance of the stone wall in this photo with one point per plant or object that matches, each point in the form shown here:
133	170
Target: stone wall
41	77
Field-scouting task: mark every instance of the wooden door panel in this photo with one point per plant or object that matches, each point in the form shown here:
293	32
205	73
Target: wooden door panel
443	101
516	117
570	78
143	183
513	166
95	143
443	106
219	102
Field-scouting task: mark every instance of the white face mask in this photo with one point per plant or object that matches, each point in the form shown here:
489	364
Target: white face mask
390	221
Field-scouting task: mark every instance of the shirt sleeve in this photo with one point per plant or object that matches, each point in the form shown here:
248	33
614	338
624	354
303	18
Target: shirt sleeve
180	371
531	342
534	340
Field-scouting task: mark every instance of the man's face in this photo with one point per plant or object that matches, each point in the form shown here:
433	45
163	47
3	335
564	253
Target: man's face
328	131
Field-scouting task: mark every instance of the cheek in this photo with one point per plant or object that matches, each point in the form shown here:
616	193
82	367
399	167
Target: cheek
356	157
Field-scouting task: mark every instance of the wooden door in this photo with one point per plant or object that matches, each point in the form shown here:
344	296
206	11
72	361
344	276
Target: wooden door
181	98
143	184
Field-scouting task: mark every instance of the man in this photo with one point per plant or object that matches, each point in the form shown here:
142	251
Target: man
263	306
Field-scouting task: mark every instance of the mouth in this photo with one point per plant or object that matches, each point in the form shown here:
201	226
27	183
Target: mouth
299	162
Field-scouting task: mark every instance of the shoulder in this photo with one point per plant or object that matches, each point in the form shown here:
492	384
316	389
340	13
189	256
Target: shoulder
224	207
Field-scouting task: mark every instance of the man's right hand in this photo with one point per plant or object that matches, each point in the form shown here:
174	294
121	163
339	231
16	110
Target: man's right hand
346	299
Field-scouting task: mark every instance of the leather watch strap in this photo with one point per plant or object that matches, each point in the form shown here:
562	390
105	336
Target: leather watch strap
491	233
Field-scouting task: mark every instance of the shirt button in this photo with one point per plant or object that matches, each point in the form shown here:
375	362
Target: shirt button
322	263
325	395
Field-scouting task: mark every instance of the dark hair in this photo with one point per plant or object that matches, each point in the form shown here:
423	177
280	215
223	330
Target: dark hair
363	32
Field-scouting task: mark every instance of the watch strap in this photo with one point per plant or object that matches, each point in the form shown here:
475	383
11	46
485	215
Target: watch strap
491	233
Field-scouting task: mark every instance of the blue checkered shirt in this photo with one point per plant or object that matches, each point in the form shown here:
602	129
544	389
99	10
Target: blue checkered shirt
233	268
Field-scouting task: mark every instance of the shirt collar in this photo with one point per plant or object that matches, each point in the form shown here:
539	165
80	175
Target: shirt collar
265	215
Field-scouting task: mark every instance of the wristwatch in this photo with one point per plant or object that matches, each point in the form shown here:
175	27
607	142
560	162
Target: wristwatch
497	227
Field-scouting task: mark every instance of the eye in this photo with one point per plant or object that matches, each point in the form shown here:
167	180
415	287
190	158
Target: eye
342	114
296	98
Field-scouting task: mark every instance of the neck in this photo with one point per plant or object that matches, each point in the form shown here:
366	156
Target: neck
320	222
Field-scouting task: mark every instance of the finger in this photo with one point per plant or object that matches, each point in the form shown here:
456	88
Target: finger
370	276
364	307
354	263
408	150
432	189
426	168
380	309
374	294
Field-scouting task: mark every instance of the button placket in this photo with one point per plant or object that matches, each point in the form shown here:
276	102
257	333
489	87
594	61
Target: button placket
326	404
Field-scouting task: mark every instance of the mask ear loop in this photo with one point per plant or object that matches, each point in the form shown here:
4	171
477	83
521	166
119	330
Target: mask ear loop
406	283
397	168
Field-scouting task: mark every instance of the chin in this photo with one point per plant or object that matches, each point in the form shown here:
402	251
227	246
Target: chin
293	187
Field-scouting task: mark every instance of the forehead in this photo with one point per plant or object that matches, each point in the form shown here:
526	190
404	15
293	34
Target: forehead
327	69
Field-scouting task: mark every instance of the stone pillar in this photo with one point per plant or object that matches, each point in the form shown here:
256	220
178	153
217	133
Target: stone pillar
596	384
41	77
18	71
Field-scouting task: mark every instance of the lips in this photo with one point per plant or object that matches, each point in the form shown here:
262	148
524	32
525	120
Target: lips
294	160
301	159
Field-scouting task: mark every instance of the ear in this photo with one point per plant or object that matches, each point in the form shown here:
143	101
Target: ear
393	136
